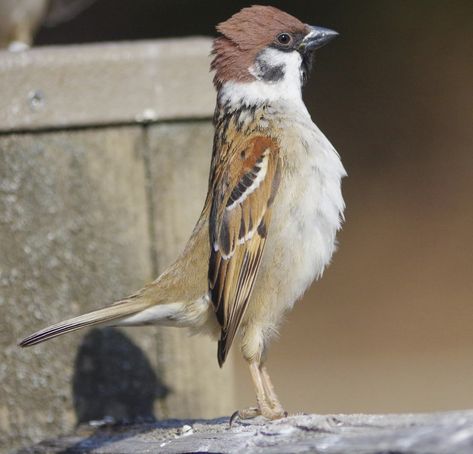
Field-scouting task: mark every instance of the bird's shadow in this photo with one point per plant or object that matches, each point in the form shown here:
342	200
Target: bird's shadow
113	384
114	379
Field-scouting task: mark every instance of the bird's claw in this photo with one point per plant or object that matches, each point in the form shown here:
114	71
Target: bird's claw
247	413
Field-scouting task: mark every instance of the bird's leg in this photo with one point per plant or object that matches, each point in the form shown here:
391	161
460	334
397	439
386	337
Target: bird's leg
271	396
23	33
268	404
261	397
262	407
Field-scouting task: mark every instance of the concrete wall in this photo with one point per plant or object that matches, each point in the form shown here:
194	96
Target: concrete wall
104	155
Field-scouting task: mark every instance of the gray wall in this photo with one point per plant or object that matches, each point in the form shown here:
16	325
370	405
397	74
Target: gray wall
94	202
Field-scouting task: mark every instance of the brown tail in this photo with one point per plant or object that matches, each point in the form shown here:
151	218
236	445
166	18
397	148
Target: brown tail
116	311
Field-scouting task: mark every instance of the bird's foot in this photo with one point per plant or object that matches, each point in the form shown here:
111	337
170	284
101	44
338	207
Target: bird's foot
271	413
275	407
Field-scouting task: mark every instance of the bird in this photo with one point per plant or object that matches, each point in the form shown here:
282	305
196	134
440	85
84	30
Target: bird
274	205
21	19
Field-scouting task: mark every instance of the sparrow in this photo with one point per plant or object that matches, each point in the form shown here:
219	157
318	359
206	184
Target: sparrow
273	208
21	19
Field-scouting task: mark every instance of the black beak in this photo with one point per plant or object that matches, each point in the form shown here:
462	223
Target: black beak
316	38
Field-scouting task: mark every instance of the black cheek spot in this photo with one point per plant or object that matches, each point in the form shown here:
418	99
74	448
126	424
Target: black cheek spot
272	73
267	72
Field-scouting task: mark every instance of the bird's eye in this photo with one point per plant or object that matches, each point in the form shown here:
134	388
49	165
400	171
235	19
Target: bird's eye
284	38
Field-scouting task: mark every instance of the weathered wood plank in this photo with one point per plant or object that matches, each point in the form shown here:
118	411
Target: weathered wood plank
102	84
86	217
441	433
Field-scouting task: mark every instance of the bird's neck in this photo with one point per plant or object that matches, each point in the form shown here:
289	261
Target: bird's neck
241	100
257	93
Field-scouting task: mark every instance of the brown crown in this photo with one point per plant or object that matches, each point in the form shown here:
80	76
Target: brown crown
244	35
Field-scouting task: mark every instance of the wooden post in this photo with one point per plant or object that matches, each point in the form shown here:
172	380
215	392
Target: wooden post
93	204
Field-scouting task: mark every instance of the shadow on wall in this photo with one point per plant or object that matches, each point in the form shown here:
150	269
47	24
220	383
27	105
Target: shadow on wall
114	379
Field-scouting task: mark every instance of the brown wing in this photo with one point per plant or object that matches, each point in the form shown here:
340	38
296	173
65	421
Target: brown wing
244	183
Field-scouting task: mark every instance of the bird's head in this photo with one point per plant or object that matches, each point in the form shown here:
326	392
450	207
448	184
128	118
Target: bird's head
265	44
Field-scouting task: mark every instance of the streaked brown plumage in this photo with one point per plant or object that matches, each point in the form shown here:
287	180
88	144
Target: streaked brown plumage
238	231
272	210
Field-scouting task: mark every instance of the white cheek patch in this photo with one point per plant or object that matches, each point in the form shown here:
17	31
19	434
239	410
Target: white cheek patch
291	59
272	63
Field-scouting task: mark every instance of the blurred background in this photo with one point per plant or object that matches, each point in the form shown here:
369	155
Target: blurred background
389	327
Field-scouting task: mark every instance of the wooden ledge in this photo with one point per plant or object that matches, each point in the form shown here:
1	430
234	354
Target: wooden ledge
104	84
435	433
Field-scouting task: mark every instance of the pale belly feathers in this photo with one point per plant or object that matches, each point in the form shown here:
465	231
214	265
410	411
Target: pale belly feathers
306	215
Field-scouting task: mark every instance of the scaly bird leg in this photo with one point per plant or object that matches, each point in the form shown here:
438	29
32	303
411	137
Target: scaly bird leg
271	396
268	406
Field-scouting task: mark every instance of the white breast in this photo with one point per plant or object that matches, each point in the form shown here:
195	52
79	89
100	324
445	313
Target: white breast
307	213
311	203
